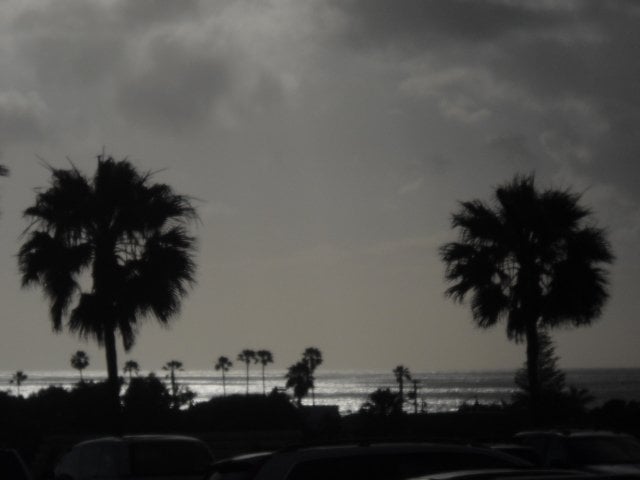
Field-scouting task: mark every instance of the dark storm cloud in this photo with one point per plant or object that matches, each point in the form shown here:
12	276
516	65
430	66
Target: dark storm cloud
419	24
571	66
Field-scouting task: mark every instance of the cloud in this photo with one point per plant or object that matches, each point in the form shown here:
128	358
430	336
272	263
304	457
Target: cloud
22	117
564	72
68	43
177	88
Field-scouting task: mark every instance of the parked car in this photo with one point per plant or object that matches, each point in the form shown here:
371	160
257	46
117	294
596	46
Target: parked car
352	462
500	473
596	451
11	465
525	474
166	457
518	450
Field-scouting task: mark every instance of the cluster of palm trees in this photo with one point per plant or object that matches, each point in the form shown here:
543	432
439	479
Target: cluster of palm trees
532	258
300	376
246	356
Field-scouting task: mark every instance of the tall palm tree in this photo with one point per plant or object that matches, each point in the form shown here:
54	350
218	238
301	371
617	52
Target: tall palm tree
223	364
312	356
401	373
18	379
247	356
300	379
129	234
80	361
265	357
532	258
131	367
173	366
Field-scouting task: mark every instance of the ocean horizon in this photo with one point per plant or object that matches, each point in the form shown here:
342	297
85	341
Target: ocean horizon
443	391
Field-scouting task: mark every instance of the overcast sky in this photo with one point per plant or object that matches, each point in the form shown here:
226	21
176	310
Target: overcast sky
328	143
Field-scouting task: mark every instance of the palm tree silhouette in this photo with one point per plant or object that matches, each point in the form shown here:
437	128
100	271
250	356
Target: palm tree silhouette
264	357
129	234
532	258
131	367
299	378
172	366
80	361
223	364
18	379
413	395
247	356
312	356
401	373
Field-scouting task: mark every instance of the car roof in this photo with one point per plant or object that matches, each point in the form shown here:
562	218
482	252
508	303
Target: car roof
139	439
490	473
343	450
570	433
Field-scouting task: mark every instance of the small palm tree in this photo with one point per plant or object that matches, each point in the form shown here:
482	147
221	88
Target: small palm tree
532	258
80	361
247	356
312	356
131	367
172	367
223	364
18	379
413	394
264	357
300	379
401	373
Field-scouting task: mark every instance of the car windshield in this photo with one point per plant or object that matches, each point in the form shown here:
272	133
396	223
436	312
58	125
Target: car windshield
168	458
603	450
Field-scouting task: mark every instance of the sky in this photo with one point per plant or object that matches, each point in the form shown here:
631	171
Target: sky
326	144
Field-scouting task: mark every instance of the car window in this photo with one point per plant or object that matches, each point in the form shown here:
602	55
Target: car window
603	450
392	466
357	467
98	460
169	458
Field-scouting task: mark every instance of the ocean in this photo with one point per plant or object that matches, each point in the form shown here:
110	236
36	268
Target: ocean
442	391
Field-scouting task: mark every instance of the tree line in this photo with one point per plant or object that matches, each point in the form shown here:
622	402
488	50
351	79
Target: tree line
533	259
300	376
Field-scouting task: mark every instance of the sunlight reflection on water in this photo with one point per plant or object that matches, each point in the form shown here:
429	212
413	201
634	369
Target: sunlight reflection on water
442	391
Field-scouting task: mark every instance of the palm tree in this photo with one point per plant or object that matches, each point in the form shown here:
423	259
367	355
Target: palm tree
128	234
312	356
18	379
247	356
80	361
223	364
401	373
532	258
413	394
172	366
299	378
131	367
265	357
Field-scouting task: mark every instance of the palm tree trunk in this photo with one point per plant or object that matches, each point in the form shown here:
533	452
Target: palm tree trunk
112	375
224	387
533	349
247	378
